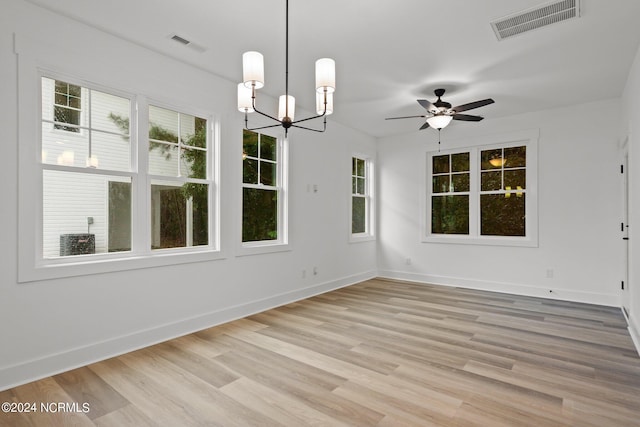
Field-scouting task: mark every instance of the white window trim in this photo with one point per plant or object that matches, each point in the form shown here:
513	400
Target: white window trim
31	265
369	233
282	243
528	138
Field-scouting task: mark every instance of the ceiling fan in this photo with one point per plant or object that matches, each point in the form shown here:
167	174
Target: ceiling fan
439	114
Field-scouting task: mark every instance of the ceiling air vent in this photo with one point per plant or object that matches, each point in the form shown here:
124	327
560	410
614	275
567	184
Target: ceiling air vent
188	43
537	17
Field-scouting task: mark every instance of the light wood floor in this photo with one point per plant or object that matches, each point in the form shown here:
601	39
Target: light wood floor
380	353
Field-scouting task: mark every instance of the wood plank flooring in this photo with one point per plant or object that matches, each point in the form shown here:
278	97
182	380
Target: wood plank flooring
379	353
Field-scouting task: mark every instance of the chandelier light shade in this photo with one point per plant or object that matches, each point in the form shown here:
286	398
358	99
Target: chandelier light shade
286	107
325	75
439	121
253	69
321	105
244	98
253	79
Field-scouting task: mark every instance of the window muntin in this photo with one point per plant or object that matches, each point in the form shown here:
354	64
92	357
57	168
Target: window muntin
179	190
262	188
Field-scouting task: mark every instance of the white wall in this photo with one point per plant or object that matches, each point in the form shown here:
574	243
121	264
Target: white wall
579	209
54	325
631	127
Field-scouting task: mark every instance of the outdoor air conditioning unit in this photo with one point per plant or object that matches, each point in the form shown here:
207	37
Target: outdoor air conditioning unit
77	244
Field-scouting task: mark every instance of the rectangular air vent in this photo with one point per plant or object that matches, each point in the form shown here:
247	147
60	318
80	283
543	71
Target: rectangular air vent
537	17
186	42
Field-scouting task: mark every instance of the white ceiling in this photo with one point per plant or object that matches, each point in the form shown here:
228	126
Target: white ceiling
389	53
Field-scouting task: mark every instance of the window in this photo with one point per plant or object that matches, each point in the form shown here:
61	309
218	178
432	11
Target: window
483	194
263	204
97	200
84	171
361	198
67	107
179	187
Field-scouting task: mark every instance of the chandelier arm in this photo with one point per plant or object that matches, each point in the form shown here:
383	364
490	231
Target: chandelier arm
253	105
311	118
262	127
324	125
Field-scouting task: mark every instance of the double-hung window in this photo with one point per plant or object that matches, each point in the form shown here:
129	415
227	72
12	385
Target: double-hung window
483	195
121	180
361	198
263	191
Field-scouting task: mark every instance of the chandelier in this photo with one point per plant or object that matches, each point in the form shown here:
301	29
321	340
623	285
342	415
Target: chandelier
253	79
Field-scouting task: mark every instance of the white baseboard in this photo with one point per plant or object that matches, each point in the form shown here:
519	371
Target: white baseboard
509	288
634	331
32	370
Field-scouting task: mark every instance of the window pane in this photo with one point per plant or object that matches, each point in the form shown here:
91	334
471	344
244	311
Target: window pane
77	211
108	112
250	171
360	188
460	182
66	115
268	147
163	159
354	185
119	216
250	143
460	162
268	173
360	170
110	151
259	214
441	164
502	215
441	184
193	131
194	163
491	181
515	178
491	159
450	214
515	157
67	150
163	124
179	215
358	215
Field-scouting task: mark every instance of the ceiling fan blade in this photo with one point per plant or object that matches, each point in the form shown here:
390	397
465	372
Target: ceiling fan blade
472	105
405	117
427	105
466	117
424	126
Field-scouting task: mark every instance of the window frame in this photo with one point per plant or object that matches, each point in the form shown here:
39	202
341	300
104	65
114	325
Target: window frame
282	243
529	139
369	188
32	265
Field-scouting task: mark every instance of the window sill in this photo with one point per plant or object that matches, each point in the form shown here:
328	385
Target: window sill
85	265
259	248
482	240
364	237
